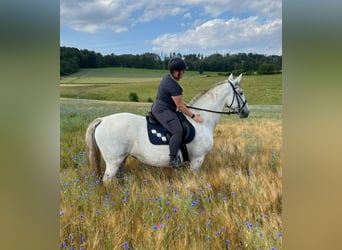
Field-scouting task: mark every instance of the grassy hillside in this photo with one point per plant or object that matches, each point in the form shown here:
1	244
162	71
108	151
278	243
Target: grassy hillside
116	83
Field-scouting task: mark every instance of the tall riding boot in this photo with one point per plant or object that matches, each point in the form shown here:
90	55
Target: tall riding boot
173	161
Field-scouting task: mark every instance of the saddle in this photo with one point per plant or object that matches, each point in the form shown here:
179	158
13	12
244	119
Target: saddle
158	135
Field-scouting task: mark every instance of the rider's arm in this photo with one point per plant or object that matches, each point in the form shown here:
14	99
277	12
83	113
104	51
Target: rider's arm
184	109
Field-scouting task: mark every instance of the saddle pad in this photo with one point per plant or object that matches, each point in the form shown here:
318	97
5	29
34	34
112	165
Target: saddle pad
157	134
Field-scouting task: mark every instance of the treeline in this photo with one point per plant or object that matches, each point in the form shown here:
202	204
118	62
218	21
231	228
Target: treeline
72	59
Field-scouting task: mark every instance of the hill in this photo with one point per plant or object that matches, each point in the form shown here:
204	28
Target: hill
115	84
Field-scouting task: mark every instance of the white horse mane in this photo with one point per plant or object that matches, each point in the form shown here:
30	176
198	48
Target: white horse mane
198	96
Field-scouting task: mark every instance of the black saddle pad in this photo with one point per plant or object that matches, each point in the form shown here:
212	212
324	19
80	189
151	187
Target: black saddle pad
158	135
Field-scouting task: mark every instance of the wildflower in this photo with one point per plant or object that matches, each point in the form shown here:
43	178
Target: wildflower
227	242
155	227
125	244
98	212
64	245
261	235
83	239
175	210
61	213
217	233
144	181
194	203
280	234
82	216
124	201
70	236
208	223
273	248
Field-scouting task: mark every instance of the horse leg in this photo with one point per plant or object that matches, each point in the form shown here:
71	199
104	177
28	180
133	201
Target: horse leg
113	166
196	163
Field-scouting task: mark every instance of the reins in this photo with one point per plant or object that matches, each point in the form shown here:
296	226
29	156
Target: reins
213	111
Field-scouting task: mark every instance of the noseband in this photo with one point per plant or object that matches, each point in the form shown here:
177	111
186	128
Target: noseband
238	98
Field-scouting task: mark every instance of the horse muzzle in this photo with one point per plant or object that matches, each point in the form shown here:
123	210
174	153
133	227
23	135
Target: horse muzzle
244	113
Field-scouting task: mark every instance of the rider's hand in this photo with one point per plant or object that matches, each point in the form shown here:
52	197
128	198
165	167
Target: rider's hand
198	118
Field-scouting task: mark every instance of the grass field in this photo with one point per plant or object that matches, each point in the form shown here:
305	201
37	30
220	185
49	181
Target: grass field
115	84
233	202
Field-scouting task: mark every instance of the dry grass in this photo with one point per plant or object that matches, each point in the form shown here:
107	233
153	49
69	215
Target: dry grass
233	202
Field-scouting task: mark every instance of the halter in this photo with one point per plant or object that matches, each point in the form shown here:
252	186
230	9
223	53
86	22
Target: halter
238	98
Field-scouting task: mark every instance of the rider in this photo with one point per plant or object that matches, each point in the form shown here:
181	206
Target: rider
169	99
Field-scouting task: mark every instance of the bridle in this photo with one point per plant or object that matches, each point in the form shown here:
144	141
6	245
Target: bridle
241	103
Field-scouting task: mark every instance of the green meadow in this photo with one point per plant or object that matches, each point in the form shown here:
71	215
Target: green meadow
115	84
233	202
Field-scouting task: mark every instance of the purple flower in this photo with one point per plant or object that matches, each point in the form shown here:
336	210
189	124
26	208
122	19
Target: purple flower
208	223
83	239
70	236
175	210
227	242
82	216
280	234
61	213
64	245
217	233
155	227
125	244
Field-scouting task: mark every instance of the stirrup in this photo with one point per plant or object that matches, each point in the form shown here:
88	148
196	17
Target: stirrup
174	162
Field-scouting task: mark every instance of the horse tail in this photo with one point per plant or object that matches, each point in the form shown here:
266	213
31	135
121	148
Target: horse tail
93	152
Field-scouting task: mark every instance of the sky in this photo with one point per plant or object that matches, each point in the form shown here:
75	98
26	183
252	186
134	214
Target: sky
181	26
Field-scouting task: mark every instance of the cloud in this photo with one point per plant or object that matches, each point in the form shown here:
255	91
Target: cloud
121	15
225	36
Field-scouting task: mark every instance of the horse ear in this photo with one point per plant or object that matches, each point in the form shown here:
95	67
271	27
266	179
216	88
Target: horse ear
238	79
230	77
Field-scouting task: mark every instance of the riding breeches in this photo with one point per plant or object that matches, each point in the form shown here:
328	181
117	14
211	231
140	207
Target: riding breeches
169	119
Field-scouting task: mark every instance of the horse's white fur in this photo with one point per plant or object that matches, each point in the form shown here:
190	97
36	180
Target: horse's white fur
119	135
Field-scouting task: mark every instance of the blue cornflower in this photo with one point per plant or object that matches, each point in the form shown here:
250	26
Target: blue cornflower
261	235
217	233
280	234
273	248
125	244
98	212
155	227
124	201
208	223
70	236
175	210
227	242
82	216
83	239
194	203
64	245
61	213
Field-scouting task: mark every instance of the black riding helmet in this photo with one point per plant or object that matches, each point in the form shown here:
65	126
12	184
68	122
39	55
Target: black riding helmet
177	64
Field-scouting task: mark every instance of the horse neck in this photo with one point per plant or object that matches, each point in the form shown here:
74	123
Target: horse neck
213	99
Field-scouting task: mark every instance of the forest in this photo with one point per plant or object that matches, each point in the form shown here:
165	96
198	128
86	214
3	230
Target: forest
72	59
